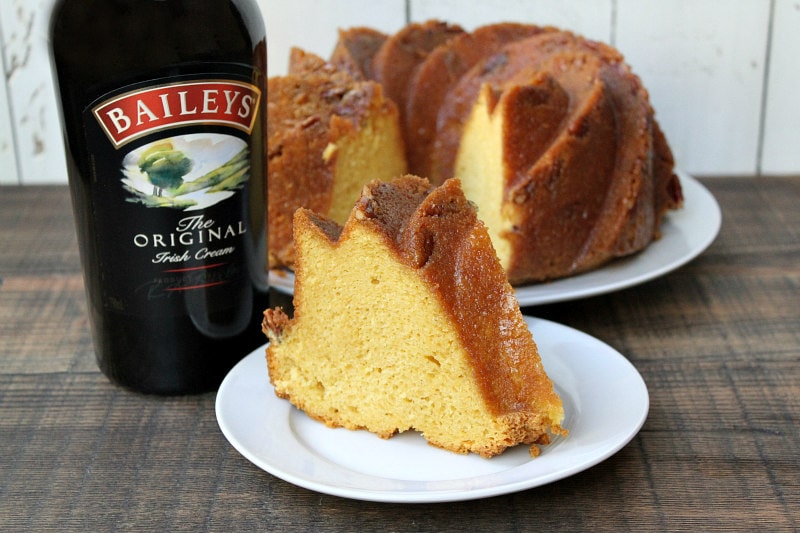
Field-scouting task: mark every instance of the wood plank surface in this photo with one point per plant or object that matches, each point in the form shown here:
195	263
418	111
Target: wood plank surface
717	343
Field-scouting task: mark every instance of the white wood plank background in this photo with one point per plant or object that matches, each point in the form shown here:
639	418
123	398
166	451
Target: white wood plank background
722	74
8	159
31	98
781	154
590	18
703	64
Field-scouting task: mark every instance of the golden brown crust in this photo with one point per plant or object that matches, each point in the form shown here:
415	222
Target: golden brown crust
585	192
519	59
668	193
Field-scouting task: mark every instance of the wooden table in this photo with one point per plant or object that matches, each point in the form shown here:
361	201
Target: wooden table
717	342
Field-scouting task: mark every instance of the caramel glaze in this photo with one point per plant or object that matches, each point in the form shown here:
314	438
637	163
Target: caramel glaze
554	204
440	71
312	106
436	232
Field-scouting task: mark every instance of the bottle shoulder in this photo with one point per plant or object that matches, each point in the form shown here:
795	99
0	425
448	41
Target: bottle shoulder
97	39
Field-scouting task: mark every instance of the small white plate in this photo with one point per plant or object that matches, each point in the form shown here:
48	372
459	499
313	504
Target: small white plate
685	234
605	402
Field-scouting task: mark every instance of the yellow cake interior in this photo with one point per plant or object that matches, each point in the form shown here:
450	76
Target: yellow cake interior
479	166
373	149
391	386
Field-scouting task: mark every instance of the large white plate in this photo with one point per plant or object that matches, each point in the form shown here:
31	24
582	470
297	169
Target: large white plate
605	402
686	233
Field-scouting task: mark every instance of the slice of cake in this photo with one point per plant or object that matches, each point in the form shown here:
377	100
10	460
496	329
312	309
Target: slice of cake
404	320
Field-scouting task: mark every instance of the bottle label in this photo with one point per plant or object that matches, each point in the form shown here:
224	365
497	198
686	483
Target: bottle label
173	164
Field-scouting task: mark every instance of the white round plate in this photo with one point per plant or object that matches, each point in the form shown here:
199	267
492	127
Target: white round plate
605	403
685	234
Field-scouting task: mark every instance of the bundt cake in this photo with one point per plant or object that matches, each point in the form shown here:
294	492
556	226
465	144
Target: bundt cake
551	135
404	320
327	135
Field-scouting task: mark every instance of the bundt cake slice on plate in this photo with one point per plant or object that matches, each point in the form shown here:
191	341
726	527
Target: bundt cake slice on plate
404	320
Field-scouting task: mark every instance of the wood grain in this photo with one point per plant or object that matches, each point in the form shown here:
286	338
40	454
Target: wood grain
717	342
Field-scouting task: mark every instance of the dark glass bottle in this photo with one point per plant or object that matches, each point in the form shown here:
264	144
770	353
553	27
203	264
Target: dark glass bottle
163	107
